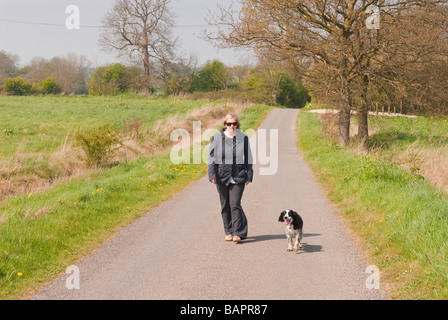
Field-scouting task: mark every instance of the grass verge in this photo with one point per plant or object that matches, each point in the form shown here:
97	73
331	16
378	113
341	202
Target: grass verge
400	220
42	234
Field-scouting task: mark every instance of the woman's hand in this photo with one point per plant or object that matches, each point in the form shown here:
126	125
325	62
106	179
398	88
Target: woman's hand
213	181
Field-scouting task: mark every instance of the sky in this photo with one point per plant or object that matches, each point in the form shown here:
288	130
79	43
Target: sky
38	28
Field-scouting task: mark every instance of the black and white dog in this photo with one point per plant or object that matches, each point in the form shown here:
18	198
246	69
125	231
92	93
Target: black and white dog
294	225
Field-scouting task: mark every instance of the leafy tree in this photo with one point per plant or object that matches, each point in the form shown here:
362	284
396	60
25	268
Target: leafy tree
292	93
114	79
213	76
272	81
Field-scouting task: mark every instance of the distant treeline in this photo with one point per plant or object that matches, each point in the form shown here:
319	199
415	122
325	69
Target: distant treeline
268	82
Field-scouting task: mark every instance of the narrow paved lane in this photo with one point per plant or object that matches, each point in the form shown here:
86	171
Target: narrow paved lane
177	250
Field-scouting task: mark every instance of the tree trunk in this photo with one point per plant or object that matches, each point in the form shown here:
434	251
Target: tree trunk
344	113
146	69
363	112
344	125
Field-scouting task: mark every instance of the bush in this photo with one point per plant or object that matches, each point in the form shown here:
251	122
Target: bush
212	77
49	86
278	85
114	79
292	93
17	87
99	145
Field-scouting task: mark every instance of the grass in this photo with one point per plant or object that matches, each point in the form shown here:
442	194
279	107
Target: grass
400	219
39	137
37	133
418	145
41	233
44	233
397	133
36	124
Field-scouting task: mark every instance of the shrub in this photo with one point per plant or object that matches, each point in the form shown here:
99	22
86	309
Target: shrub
292	93
114	79
17	87
212	77
99	145
276	87
49	86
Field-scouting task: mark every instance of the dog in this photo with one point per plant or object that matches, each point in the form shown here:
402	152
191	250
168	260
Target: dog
294	229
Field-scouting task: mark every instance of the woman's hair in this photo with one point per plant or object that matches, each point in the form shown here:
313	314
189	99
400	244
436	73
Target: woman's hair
232	115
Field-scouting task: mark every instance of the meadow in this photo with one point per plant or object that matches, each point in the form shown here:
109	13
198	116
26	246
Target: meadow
391	197
55	209
37	133
40	124
52	225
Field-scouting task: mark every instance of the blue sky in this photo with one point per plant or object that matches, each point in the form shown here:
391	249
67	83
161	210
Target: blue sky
46	35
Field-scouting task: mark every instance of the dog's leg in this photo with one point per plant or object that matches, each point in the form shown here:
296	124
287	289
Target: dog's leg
290	246
299	239
296	242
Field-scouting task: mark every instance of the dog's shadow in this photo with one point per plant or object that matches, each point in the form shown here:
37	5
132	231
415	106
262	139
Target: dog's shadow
309	248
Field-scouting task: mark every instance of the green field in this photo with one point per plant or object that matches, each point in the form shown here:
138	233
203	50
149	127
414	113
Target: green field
40	124
41	233
400	217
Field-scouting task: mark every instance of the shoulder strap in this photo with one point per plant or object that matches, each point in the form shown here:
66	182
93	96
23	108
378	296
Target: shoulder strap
246	149
223	150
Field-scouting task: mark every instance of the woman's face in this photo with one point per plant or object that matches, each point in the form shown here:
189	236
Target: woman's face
233	127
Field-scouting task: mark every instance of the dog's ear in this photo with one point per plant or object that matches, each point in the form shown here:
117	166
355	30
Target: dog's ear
297	220
282	215
293	213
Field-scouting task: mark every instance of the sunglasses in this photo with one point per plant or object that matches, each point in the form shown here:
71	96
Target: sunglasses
231	124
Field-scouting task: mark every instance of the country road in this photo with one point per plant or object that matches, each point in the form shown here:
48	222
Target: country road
177	250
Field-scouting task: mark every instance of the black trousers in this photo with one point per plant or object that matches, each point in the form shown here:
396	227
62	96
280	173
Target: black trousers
233	217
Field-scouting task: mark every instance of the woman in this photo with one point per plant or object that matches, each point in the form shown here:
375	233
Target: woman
230	168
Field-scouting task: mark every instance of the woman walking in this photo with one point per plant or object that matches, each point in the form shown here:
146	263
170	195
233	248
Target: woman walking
230	168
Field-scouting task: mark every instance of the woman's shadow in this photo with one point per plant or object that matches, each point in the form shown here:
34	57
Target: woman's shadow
306	247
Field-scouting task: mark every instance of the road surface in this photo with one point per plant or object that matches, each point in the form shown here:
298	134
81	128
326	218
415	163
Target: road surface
177	250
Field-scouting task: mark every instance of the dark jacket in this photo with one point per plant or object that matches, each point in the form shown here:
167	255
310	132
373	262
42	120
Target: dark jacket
230	158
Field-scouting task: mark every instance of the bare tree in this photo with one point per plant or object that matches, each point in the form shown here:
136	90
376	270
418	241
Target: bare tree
70	72
8	65
176	76
412	65
142	31
330	42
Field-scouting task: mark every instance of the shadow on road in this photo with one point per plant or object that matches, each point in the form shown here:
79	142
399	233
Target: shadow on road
307	247
310	248
264	238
